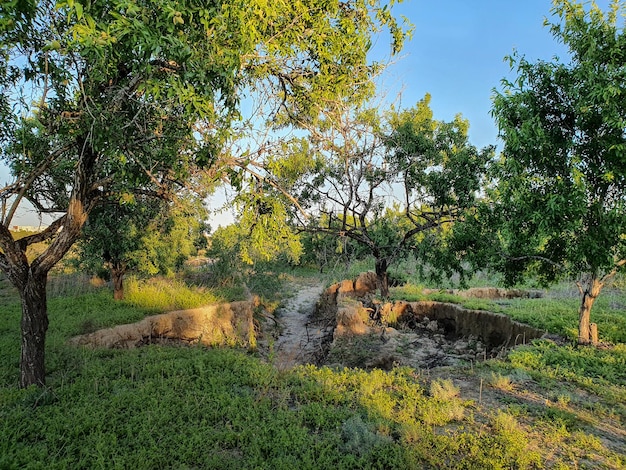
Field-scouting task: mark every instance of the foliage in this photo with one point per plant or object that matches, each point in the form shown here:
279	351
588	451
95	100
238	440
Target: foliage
262	234
163	294
140	235
587	365
220	408
389	182
558	205
135	96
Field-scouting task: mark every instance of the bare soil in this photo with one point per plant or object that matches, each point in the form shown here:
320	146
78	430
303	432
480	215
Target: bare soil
300	337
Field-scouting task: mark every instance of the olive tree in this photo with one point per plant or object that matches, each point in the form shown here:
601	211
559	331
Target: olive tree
560	201
126	96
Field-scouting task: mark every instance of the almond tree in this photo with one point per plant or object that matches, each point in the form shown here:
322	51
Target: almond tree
388	183
560	203
107	97
141	235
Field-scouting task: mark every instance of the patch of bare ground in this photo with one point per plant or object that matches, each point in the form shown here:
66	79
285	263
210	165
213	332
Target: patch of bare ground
299	337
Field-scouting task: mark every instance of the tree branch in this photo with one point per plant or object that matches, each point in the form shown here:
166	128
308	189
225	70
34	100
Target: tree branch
46	234
38	171
275	185
614	271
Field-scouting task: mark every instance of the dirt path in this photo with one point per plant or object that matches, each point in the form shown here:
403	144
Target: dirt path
298	340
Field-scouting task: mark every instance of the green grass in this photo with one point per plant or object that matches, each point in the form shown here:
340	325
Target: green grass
545	406
163	294
556	314
192	407
560	315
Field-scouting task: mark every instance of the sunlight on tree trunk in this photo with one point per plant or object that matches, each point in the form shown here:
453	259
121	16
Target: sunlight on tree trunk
117	275
589	295
34	327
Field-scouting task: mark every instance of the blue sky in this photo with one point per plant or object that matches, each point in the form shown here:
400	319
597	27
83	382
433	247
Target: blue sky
457	53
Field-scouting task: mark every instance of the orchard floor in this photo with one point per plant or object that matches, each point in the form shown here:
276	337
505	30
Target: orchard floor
486	383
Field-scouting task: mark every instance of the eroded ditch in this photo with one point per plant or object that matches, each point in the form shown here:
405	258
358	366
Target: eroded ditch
422	334
348	327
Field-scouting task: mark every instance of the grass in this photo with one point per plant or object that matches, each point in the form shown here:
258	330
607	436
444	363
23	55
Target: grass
162	294
544	406
557	314
169	408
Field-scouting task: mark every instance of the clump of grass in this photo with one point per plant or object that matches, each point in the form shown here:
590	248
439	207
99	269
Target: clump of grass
161	294
445	404
510	444
408	292
444	390
501	382
358	438
341	271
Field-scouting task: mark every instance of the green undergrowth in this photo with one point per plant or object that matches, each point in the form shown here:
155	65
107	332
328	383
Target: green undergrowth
542	406
560	315
162	294
415	293
196	408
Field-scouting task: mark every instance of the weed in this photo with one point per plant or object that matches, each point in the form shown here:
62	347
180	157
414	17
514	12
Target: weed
358	438
501	382
161	294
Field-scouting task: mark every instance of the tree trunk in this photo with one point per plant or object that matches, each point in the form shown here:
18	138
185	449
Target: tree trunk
382	277
34	327
589	295
117	274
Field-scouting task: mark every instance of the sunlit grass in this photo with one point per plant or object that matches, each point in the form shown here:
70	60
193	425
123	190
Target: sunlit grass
163	294
556	314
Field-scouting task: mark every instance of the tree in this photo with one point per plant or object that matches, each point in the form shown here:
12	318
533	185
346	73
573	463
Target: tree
385	184
327	249
560	203
114	97
147	236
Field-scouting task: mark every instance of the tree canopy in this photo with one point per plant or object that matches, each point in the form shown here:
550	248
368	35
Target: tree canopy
140	235
559	203
112	97
387	181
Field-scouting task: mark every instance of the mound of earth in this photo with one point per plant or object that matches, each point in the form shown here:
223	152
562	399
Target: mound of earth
229	323
339	325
